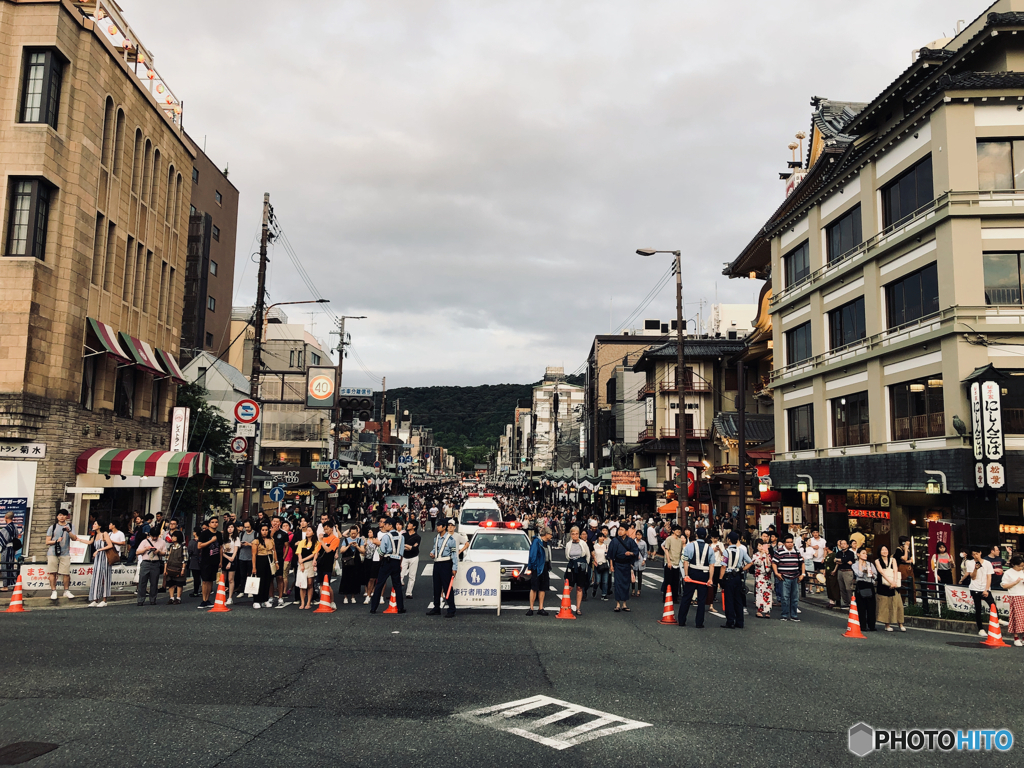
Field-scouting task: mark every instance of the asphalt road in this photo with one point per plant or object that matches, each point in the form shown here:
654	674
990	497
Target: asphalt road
173	686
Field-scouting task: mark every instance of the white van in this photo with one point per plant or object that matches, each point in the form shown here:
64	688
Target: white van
479	508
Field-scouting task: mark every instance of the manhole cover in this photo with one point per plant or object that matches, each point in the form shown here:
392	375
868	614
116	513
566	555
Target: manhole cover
22	751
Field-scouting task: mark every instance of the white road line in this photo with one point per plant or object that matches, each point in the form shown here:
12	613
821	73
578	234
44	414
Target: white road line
428	570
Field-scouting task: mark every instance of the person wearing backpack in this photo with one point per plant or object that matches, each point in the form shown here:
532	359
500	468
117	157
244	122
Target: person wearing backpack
10	543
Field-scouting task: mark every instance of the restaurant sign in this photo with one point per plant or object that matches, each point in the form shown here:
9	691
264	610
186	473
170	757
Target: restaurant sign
987	432
868	499
876	514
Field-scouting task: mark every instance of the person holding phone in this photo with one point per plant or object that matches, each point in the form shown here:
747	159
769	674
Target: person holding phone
58	554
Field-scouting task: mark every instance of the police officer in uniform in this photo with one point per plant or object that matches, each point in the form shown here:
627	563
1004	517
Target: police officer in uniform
445	554
391	545
737	562
696	566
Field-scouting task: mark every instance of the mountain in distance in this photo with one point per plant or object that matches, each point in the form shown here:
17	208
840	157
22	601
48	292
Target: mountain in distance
466	420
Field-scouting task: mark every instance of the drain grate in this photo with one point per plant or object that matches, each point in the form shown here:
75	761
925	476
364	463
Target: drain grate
22	751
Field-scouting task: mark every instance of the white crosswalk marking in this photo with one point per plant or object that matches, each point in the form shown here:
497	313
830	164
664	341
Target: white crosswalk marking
508	717
428	570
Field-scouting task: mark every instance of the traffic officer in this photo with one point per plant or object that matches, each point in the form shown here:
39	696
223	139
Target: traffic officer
737	563
696	567
391	545
445	554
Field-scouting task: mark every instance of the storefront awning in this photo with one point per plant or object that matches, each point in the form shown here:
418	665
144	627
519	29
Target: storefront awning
117	461
321	486
170	365
142	354
107	338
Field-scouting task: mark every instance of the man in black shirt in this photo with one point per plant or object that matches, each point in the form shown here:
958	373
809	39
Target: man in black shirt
411	560
845	558
281	538
209	558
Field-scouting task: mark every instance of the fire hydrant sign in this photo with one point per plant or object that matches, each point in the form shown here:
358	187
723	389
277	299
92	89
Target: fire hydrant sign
478	585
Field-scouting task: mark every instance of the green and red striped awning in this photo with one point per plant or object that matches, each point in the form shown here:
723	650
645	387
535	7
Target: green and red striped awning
171	366
107	338
117	461
141	353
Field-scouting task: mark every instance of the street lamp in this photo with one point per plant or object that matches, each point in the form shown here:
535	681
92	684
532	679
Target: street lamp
934	486
803	486
682	470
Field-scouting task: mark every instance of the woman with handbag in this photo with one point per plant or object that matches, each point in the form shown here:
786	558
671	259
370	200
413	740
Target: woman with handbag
99	589
865	575
264	564
305	573
890	603
578	554
350	551
230	551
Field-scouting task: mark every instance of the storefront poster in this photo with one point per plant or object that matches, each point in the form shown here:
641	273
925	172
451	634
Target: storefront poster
19	507
959	599
33	577
787	515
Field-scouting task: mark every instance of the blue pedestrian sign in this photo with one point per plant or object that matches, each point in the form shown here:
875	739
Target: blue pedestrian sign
335	464
277	493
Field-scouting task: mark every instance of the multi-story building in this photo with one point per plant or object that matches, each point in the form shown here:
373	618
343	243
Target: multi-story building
94	164
896	270
558	408
210	269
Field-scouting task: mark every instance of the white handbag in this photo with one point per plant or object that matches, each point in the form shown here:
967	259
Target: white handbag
252	585
301	580
138	567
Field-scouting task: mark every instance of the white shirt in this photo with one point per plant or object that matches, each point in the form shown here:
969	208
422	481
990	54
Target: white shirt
1011	574
817	549
600	552
978	575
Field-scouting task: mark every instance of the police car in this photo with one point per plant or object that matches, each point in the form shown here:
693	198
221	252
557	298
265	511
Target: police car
479	508
505	543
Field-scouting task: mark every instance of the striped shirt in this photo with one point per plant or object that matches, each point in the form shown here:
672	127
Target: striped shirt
788	561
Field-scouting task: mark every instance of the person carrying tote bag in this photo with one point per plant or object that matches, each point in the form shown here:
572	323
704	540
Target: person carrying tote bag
890	603
865	575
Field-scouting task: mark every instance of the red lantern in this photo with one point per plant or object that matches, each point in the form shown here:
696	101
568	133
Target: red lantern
151	74
160	88
169	99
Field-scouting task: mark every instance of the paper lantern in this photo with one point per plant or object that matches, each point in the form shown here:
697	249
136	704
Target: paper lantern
141	58
111	29
150	74
169	99
160	88
177	111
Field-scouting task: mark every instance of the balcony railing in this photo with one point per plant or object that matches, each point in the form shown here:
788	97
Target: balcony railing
919	427
690	386
690	433
644	391
647	434
855	434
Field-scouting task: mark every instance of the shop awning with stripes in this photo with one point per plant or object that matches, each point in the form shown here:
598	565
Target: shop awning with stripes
142	354
171	366
107	338
118	461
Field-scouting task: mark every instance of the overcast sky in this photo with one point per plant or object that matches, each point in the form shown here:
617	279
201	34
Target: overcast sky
475	176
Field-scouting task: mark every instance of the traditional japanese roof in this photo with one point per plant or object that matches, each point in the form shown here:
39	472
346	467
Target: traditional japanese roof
759	427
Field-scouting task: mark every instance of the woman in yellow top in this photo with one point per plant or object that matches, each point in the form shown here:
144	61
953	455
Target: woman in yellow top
264	563
305	556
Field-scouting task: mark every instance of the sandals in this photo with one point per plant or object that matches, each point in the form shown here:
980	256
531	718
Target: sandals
617	610
626	609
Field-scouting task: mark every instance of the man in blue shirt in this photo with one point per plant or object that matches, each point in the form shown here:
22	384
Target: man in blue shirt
391	545
696	567
445	554
737	562
537	569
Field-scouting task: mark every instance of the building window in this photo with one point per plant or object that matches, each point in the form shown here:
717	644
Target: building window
917	409
201	377
209	339
28	218
912	297
157	415
1000	165
844	234
798	344
1002	278
797	264
88	382
846	324
191	210
124	392
211	303
908	193
801	427
850	420
213	267
216	233
218	198
195	175
315	358
291	359
40	94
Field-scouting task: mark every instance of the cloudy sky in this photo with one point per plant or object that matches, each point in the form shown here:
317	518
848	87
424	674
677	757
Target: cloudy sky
475	176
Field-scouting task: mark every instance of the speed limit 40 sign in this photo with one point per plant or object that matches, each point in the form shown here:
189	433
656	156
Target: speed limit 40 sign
320	387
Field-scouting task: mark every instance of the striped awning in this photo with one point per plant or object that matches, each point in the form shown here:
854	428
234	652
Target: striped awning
142	354
171	366
117	461
107	338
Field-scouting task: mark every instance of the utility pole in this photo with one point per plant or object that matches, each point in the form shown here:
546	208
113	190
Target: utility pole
741	414
257	342
682	470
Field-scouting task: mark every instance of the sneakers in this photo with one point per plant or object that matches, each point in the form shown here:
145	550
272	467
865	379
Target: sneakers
794	619
53	595
542	612
1018	643
529	612
982	633
367	600
102	604
93	604
798	610
280	604
229	601
68	595
783	619
204	604
257	606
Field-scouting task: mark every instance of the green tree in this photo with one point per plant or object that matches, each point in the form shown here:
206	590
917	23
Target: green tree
210	434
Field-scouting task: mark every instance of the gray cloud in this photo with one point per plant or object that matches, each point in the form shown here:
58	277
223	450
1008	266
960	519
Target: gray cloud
475	176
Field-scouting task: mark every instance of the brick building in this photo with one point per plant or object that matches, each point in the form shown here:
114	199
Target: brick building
94	167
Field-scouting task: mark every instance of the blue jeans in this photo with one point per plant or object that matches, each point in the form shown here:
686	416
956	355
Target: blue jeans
602	581
790	598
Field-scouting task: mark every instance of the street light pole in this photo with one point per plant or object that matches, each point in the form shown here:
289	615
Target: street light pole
337	379
682	470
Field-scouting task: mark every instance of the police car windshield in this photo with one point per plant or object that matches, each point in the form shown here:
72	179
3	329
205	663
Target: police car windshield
472	516
509	542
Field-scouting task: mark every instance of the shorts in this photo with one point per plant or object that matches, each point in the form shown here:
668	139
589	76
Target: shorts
209	570
60	565
539	582
176	581
578	577
284	568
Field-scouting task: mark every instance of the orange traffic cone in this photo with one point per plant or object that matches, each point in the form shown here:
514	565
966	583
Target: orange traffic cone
566	610
16	604
324	606
995	632
668	615
853	622
392	605
220	603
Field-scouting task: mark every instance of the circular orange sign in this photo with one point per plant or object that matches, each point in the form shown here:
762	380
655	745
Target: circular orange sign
321	387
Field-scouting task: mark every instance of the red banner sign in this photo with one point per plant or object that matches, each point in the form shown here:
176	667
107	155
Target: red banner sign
878	514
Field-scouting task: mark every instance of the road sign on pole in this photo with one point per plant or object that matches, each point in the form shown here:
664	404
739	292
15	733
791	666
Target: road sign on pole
247	411
335	464
239	444
277	494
